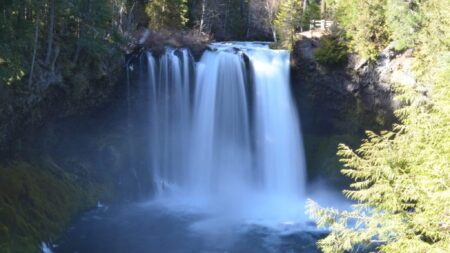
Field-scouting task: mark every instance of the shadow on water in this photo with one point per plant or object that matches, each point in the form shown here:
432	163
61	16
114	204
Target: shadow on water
231	150
150	228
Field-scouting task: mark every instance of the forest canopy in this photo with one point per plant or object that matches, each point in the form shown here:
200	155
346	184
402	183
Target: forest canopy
40	38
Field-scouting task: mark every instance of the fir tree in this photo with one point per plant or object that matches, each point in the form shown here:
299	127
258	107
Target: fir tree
287	22
402	177
365	25
167	14
402	20
37	38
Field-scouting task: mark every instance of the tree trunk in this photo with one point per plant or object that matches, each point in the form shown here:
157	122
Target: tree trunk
305	5
81	31
126	22
323	9
20	15
274	34
247	33
202	20
270	8
227	10
55	58
51	28
76	55
33	61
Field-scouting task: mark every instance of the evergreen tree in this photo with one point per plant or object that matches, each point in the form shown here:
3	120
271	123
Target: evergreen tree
365	25
287	22
310	12
17	27
37	37
368	30
402	20
167	14
236	17
226	20
402	177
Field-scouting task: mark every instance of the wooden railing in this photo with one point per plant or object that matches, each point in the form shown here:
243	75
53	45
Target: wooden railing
320	24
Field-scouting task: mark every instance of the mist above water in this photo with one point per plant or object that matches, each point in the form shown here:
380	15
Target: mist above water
220	138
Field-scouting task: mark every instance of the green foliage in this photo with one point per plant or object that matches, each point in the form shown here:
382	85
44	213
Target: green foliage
167	14
402	20
16	33
368	31
237	20
434	40
332	51
371	25
343	11
402	177
312	12
226	20
95	25
82	30
365	25
37	203
287	22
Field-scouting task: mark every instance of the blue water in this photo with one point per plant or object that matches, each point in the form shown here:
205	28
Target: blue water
153	229
226	156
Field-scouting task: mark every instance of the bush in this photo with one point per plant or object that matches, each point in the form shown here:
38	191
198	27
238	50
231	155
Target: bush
332	51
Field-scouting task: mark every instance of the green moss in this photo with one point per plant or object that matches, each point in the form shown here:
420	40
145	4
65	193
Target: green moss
37	203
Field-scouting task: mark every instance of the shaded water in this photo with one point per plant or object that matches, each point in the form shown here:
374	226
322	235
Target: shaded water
223	147
150	229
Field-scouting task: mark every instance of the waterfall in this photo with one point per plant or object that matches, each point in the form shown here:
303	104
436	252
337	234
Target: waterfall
223	131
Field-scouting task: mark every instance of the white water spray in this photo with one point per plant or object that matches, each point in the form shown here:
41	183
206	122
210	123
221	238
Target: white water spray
224	132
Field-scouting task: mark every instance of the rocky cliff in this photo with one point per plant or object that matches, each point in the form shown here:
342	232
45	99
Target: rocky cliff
339	103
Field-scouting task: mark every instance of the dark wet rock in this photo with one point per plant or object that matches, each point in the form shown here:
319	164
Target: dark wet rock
337	104
156	41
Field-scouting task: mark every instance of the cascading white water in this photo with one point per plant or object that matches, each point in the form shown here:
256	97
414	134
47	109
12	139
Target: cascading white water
224	132
169	120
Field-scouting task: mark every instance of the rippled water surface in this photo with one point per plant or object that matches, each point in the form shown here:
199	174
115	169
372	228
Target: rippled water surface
151	228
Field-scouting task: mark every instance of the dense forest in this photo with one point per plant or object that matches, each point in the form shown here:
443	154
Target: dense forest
39	37
400	176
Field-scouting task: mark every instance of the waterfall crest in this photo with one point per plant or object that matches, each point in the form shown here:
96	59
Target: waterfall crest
223	132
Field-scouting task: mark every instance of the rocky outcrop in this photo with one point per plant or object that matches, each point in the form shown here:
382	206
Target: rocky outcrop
58	149
375	82
67	154
337	104
75	91
157	41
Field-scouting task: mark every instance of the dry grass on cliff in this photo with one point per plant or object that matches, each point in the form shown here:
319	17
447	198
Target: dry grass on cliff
157	40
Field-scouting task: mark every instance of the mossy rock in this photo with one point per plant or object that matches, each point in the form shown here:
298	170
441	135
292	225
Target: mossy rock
37	203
